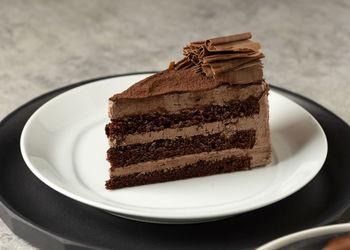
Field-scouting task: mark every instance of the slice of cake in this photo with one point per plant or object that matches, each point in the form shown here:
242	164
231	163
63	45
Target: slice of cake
206	114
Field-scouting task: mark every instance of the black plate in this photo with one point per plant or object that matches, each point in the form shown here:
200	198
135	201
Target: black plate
50	220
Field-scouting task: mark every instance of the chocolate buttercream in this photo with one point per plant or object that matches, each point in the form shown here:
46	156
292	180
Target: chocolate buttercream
206	65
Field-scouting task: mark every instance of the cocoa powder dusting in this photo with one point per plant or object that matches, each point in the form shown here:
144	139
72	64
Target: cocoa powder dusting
168	81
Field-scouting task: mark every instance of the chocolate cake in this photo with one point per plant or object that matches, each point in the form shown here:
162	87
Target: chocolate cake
206	114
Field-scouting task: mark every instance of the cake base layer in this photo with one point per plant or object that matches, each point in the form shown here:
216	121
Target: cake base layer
198	169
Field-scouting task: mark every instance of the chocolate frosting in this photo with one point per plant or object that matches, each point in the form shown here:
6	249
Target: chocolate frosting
207	64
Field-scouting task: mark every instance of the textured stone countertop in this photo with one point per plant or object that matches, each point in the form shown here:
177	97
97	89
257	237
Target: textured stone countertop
49	44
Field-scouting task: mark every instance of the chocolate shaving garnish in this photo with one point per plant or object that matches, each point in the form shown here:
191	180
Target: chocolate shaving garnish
171	65
229	56
197	69
237	42
223	66
228	39
236	46
221	57
184	63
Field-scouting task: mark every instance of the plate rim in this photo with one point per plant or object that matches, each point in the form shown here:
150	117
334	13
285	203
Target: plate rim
305	234
146	215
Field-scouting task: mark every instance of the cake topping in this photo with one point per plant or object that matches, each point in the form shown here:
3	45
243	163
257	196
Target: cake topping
236	43
207	64
218	56
171	65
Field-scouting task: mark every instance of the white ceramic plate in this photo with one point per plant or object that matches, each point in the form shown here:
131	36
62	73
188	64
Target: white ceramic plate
299	240
64	145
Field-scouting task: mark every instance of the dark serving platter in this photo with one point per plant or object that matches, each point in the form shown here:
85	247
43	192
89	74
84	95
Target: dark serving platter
50	220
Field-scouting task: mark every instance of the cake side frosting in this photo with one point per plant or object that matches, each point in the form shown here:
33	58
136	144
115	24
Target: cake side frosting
255	143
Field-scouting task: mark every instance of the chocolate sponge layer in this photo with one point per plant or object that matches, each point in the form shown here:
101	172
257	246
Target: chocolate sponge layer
160	149
185	118
200	168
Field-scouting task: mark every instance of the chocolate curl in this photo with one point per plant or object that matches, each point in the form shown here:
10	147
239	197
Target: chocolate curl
235	64
171	65
245	75
195	52
228	39
227	59
184	63
197	69
250	65
235	43
203	52
188	65
237	55
187	50
207	70
192	48
236	46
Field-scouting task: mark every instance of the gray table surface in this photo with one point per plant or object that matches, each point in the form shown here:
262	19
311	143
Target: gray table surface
49	44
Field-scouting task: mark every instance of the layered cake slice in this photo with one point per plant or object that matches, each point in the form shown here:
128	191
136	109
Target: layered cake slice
206	114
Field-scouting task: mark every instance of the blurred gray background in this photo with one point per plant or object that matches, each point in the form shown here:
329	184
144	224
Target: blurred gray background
45	45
